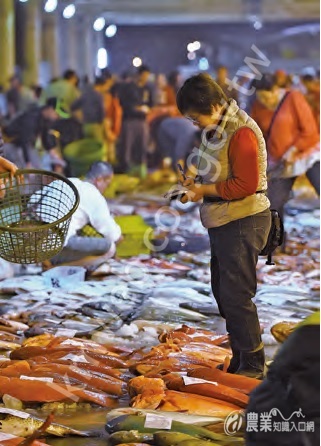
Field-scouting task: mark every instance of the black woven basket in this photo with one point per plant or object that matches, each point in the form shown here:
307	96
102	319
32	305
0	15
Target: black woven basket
36	207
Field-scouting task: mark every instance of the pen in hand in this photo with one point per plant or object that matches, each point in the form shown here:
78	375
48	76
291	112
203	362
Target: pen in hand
181	170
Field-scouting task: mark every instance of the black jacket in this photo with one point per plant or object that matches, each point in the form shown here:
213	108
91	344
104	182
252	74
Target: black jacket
292	385
26	127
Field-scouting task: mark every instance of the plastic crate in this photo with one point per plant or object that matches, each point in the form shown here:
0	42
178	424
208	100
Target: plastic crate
137	236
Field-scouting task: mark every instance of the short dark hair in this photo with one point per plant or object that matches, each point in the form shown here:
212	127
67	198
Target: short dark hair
267	82
99	169
308	78
143	69
69	74
199	93
100	80
106	74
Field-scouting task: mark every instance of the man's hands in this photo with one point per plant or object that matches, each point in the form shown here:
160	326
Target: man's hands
195	190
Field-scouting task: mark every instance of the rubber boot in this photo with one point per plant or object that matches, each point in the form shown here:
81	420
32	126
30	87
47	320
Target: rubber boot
252	364
234	363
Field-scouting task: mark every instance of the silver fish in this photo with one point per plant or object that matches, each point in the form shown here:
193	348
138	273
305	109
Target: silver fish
23	427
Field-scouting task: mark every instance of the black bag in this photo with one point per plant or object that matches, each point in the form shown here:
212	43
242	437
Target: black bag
275	238
276	234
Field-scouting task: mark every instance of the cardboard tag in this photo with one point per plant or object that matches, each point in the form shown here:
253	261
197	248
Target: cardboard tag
82	372
16	413
52	321
73	342
65	332
190	380
40	378
157	422
6	436
75	358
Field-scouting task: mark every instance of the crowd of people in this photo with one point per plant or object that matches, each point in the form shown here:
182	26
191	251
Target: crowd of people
133	118
137	121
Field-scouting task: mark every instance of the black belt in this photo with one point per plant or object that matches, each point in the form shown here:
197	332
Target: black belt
221	200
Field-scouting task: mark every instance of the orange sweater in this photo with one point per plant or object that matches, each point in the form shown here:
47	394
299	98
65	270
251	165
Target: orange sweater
243	158
294	125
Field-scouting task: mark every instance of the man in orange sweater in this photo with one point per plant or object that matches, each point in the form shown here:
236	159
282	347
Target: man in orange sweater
292	139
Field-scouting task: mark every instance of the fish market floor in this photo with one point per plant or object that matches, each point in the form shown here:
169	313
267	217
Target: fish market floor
129	302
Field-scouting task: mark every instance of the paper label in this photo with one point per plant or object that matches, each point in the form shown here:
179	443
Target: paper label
157	422
75	358
82	372
36	378
65	332
190	380
6	436
53	321
16	413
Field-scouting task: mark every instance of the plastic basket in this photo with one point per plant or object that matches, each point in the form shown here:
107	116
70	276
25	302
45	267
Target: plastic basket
35	211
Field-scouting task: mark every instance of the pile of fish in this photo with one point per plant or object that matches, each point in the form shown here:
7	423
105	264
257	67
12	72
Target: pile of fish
141	338
174	429
50	369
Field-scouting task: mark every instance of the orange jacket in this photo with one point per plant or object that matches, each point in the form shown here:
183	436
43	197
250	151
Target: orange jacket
313	98
294	125
113	112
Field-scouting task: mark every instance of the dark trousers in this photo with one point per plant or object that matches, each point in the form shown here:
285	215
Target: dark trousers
133	143
279	188
234	254
79	247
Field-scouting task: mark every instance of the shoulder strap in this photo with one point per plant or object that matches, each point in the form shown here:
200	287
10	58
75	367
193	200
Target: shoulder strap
275	114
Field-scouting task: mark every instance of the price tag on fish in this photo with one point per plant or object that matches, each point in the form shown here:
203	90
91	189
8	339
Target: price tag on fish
65	332
16	413
53	321
188	380
75	358
33	378
6	436
157	422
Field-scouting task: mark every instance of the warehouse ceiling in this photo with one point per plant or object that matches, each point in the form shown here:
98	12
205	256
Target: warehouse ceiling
131	12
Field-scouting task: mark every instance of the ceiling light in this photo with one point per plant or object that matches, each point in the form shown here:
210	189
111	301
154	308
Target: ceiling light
111	30
197	45
102	58
190	47
69	11
137	62
194	46
99	24
23	1
51	5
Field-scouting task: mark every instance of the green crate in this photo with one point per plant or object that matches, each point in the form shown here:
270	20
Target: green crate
137	236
